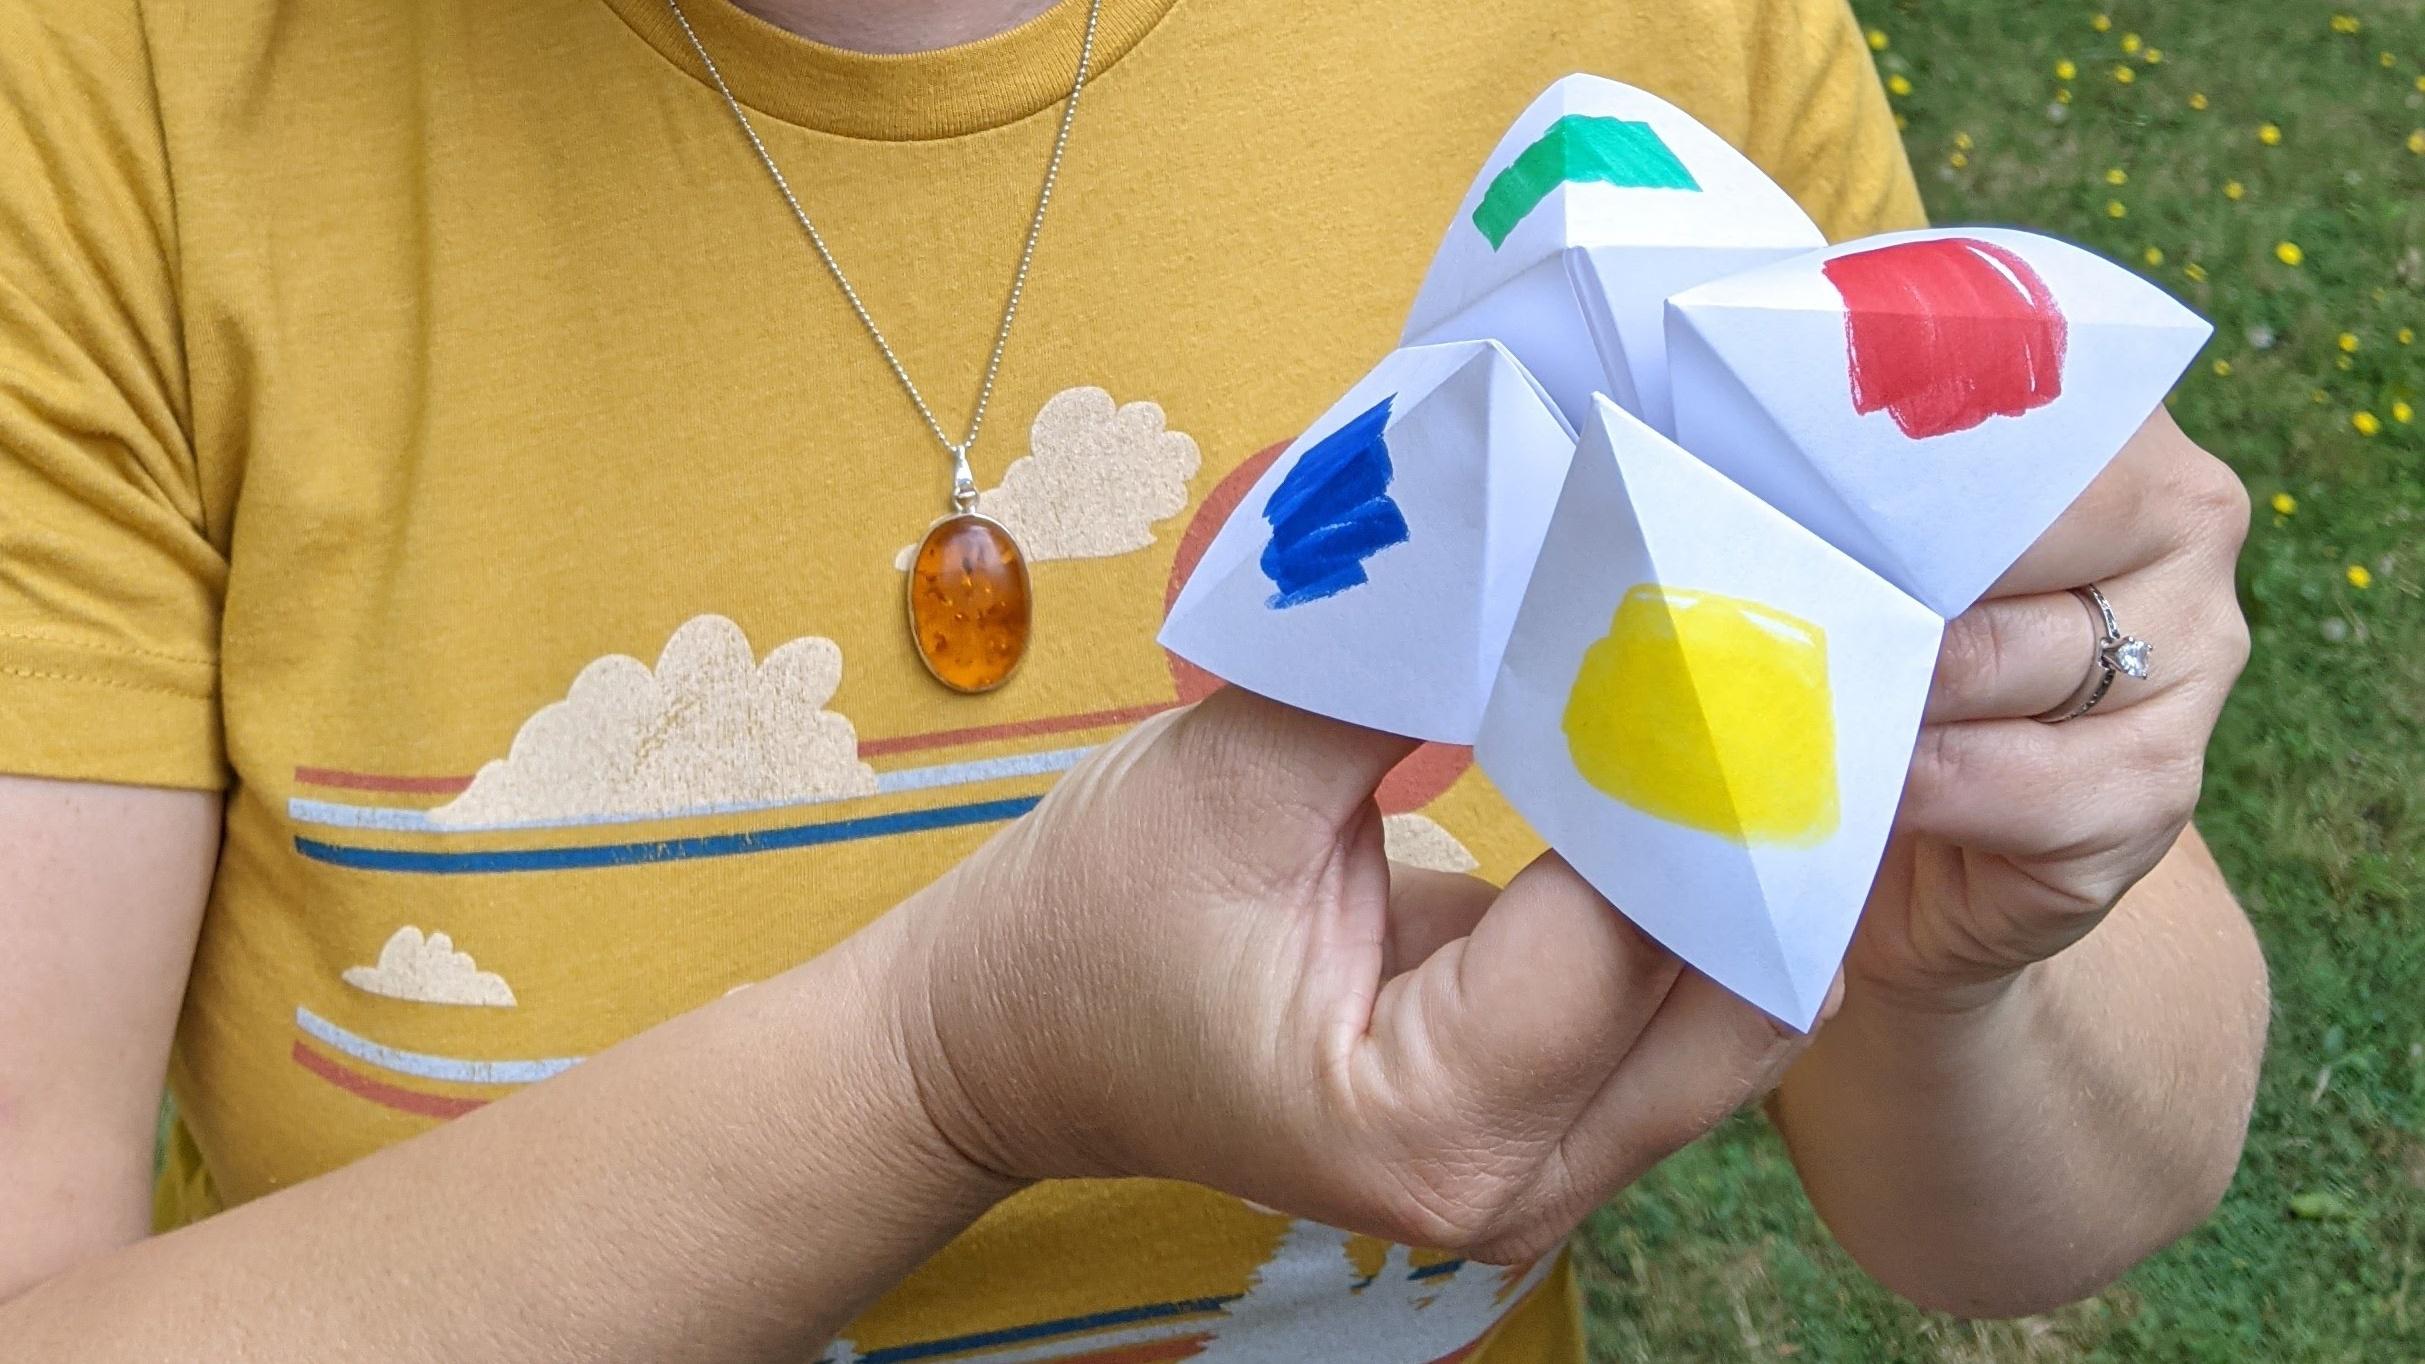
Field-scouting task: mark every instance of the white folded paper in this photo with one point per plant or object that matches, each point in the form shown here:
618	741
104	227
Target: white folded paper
1372	573
1597	205
1708	711
1928	401
1696	665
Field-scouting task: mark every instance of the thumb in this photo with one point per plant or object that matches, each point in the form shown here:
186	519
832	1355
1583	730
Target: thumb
1540	1001
1312	762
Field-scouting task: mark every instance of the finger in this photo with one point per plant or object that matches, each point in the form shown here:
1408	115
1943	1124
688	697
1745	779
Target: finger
1703	1057
2012	656
1532	1010
1289	757
2118	523
1428	910
2015	657
2098	792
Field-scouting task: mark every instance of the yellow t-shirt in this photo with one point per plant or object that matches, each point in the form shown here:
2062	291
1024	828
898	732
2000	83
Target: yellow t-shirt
424	422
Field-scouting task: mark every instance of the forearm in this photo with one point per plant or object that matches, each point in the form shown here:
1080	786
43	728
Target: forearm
2002	1159
732	1185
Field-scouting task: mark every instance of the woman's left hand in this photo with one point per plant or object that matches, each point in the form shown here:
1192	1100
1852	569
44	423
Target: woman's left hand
2015	835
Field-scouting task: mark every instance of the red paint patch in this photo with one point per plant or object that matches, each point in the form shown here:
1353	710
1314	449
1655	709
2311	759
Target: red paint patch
1413	783
1945	333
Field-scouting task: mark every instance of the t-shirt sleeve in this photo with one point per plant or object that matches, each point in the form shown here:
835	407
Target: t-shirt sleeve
110	579
1820	124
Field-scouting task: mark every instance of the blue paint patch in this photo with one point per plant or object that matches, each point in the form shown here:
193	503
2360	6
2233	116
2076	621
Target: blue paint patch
1332	512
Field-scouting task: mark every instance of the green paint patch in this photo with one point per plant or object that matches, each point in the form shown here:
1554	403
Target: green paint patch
1578	147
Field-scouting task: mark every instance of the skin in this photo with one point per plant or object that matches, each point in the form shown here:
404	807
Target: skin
2041	1070
860	27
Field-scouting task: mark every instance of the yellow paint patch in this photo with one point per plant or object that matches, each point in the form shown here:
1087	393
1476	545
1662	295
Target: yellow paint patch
1712	712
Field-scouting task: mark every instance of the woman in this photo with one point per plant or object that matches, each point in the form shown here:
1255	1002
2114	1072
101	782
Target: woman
451	629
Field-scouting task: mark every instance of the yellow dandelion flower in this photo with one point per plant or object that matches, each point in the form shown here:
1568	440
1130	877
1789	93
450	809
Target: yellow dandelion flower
1961	141
2063	95
2421	85
2270	134
2115	208
2405	336
2416	141
1958	160
2123	75
1877	40
2115	175
2401	412
2194	273
2101	23
2130	42
2347	341
2153	56
2064	70
2222	369
2152	255
2386	60
2345	23
1898	84
2358	577
2197	99
2288	253
2285	505
2343	362
2233	190
2366	423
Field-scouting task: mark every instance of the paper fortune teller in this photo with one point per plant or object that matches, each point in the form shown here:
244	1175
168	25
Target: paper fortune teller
1597	205
1372	573
1708	711
1693	649
1929	402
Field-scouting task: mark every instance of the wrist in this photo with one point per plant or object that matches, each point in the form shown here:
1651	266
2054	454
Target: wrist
1953	1029
872	986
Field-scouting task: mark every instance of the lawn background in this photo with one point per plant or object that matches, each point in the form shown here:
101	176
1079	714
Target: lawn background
2315	792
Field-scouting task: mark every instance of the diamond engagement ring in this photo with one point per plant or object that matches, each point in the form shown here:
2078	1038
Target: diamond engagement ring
2116	654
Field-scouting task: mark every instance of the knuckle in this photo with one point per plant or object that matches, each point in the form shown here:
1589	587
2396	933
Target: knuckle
2216	500
1943	763
2177	792
2232	641
2165	779
1971	653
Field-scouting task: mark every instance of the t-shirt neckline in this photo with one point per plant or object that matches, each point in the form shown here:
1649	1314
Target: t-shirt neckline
947	92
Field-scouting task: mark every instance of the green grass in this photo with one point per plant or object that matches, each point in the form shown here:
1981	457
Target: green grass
2315	796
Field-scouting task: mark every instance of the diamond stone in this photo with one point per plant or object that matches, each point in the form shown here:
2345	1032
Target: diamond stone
2133	656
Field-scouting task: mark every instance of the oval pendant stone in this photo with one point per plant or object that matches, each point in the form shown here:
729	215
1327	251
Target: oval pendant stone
968	603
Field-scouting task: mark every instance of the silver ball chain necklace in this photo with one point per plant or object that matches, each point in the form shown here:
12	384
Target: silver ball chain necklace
967	594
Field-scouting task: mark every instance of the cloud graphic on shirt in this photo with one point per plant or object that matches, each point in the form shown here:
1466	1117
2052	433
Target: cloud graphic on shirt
1096	478
428	970
1418	840
709	726
1310	1296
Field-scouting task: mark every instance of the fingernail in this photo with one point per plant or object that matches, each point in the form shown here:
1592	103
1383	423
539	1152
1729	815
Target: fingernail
1835	999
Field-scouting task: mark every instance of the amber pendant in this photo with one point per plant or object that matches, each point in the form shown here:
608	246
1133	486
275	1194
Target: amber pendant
968	602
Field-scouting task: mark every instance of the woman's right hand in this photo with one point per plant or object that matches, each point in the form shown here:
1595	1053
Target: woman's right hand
1193	961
